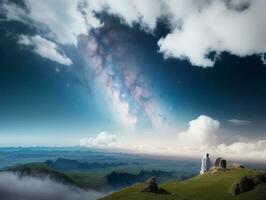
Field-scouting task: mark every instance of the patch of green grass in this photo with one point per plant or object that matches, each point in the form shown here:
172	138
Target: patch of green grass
210	186
133	193
89	180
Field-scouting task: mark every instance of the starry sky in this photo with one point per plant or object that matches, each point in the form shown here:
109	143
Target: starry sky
185	74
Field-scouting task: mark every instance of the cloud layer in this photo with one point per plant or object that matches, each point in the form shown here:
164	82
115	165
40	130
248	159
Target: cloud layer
218	26
197	27
102	140
204	135
239	122
62	20
105	140
201	131
15	187
44	48
200	27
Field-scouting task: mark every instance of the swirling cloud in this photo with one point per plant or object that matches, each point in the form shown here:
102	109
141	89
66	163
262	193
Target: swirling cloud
44	48
14	187
197	27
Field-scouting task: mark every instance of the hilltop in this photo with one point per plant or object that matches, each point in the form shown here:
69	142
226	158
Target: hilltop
210	186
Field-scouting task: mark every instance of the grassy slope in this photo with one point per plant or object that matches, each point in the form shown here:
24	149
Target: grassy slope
205	187
133	193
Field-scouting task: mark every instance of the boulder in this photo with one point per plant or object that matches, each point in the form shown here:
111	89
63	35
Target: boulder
151	180
234	190
162	191
217	162
258	179
152	187
264	178
246	184
222	164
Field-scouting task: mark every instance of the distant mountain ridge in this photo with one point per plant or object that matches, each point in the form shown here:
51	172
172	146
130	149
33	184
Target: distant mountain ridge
71	164
40	171
74	172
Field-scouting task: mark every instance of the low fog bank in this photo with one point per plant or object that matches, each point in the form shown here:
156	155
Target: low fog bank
14	187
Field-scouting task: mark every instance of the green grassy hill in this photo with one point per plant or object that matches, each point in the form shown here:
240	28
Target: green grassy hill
210	186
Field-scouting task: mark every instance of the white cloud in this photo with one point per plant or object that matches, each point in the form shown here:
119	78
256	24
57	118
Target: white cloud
217	27
105	140
203	136
14	186
135	11
253	151
44	48
102	140
239	122
262	56
201	132
13	12
63	19
198	27
256	147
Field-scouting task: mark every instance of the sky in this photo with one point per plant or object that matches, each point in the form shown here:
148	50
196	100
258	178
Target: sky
182	78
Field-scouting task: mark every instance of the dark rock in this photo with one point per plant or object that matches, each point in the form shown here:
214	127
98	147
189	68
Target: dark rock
245	184
264	178
258	179
217	162
151	180
222	163
152	187
234	190
162	191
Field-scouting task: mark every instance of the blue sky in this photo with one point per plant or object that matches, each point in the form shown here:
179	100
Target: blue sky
120	75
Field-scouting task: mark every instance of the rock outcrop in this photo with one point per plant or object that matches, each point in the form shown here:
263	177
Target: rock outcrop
152	187
217	162
222	164
246	184
259	179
